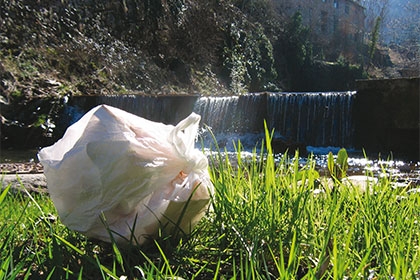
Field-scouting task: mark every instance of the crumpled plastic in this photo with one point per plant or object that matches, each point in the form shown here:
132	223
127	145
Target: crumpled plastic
117	176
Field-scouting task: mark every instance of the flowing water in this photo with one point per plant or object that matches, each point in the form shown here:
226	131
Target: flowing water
317	119
321	122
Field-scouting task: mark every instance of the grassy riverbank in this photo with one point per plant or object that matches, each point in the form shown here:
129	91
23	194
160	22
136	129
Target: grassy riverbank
268	221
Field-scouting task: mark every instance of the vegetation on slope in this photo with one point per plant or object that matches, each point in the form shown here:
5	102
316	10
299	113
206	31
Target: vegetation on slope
52	50
106	47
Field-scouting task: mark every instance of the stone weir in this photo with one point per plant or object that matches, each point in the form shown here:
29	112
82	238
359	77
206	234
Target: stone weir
318	119
382	116
227	114
387	116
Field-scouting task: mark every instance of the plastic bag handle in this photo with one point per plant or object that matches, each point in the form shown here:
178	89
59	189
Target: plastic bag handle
184	133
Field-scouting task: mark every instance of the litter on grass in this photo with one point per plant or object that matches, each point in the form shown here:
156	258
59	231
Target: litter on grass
117	176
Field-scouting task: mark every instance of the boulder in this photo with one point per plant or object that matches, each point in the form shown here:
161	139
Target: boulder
30	182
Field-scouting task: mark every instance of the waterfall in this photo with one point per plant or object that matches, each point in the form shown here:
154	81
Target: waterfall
217	112
317	119
232	114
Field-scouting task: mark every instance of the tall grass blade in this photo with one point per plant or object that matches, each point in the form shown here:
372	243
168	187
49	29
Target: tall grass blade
80	276
4	268
50	275
118	256
4	193
68	244
217	269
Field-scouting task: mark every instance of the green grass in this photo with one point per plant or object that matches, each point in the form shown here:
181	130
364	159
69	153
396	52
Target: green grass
265	222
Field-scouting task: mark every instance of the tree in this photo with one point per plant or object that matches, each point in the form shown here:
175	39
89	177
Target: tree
403	23
294	51
374	40
375	9
400	19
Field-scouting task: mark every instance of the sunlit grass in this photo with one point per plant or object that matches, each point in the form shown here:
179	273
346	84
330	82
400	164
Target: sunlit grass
266	222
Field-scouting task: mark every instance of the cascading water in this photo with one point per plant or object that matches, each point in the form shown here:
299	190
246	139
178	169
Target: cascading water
232	118
217	112
318	119
233	114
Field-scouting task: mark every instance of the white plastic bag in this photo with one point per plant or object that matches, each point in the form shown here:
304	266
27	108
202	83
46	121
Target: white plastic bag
133	175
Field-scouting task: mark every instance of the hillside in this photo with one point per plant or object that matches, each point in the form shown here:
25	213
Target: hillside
52	50
99	47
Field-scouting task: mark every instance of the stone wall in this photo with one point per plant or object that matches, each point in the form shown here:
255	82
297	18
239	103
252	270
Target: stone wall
387	118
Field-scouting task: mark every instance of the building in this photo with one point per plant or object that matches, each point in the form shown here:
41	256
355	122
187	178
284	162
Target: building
337	26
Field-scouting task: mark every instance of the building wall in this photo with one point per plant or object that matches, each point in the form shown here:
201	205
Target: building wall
332	22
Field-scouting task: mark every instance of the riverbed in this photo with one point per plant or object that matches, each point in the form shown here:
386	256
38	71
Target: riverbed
405	173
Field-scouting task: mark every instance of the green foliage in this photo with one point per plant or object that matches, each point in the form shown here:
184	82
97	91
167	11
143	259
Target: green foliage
295	51
235	62
248	57
268	220
28	69
338	167
41	119
342	61
16	93
375	38
129	45
299	46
